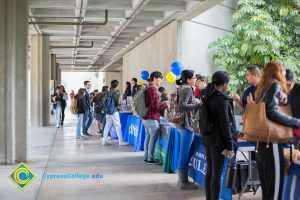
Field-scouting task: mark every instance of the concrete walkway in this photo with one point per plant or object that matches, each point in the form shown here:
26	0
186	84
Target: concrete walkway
125	176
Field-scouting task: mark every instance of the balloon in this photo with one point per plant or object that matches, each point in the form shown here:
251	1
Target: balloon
171	78
176	68
140	83
145	75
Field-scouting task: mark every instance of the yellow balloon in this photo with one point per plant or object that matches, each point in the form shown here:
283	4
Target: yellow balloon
140	83
171	78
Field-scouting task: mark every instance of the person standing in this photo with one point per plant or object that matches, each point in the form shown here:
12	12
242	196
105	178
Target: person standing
127	92
152	118
163	98
112	107
219	141
253	74
134	86
64	103
88	115
72	95
294	99
99	109
185	106
272	90
57	100
79	98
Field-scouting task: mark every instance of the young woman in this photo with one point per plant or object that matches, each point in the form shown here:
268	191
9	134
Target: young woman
100	117
79	97
127	92
272	89
219	141
64	103
57	100
186	104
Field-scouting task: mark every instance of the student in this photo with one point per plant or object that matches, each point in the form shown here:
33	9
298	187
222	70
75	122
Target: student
127	92
152	118
57	100
294	99
163	98
219	141
253	77
99	115
272	90
79	97
134	86
72	95
64	103
112	107
88	115
185	106
203	81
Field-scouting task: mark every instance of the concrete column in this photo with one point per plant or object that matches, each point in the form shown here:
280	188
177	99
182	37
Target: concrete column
58	74
53	67
40	76
13	80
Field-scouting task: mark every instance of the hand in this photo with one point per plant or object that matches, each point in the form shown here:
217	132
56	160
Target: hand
228	154
235	97
198	101
250	99
283	98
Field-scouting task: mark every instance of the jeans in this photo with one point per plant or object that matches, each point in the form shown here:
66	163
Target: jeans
186	139
58	114
63	114
215	161
79	125
87	120
113	119
151	128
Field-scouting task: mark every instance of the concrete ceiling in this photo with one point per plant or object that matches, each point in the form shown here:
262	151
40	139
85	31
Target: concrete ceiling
80	43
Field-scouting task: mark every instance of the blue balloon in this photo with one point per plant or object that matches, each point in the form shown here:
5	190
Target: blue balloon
145	75
176	68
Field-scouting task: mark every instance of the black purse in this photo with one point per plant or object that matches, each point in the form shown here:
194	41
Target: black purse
231	175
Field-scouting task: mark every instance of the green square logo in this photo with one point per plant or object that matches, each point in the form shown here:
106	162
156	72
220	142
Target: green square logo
22	176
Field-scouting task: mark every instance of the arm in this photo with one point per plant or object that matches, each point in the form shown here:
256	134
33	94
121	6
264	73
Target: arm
184	97
225	123
272	100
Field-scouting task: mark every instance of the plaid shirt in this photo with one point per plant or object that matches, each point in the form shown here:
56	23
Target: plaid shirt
153	103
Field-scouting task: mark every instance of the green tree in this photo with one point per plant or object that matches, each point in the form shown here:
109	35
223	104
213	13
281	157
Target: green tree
262	32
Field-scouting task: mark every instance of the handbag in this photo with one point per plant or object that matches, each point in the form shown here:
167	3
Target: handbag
231	175
258	128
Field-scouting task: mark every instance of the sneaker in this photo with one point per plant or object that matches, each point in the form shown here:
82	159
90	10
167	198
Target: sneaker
87	134
123	144
108	138
145	161
57	126
81	138
153	162
84	136
105	143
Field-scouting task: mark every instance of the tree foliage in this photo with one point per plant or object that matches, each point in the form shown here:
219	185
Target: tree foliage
263	30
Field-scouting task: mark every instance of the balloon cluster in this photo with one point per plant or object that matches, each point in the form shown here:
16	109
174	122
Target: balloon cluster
176	69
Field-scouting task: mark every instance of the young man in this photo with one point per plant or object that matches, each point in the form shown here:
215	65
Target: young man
253	77
151	119
294	99
134	86
112	102
88	115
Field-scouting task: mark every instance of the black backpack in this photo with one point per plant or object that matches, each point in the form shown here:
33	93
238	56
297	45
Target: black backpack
99	105
202	116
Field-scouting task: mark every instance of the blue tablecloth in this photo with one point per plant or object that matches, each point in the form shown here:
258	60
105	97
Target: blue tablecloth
134	132
291	188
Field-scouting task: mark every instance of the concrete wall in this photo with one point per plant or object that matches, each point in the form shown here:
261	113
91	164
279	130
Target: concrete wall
109	76
154	54
198	33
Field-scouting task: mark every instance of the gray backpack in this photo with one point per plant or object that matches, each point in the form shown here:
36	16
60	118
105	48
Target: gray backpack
139	102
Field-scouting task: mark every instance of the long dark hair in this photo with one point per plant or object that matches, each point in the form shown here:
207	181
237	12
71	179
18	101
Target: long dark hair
218	78
63	88
128	85
80	93
185	75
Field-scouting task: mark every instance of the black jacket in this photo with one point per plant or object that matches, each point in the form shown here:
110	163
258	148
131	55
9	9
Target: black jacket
221	116
272	100
87	99
294	99
134	90
80	105
59	97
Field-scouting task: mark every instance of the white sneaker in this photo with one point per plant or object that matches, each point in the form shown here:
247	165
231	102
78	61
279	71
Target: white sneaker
84	136
123	144
108	138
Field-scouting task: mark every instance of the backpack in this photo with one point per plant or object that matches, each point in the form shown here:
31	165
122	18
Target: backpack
109	103
73	107
99	106
140	103
201	114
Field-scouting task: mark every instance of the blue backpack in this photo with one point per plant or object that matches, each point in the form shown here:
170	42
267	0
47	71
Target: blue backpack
109	104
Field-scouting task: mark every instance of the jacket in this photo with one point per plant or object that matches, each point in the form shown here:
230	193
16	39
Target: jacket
272	101
221	116
186	105
87	99
294	99
117	97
